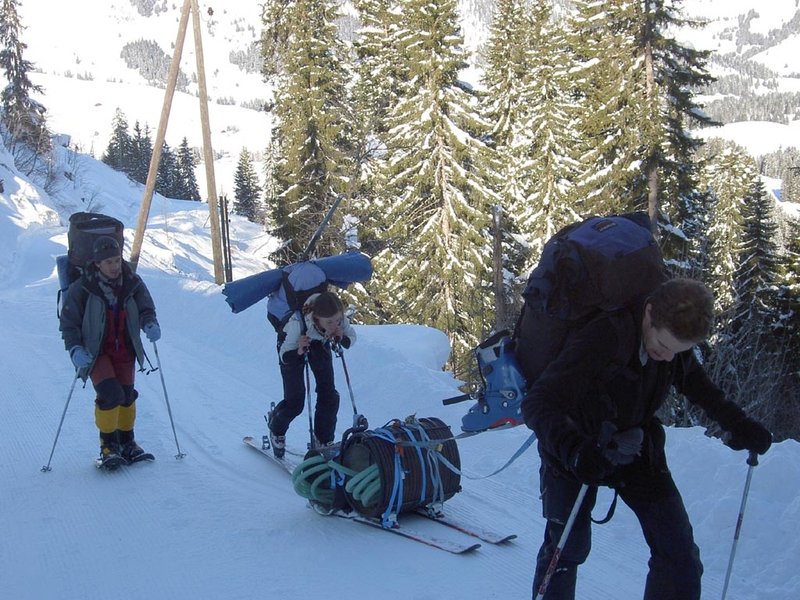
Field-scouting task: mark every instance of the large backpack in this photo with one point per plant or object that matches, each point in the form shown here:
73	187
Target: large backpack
340	270
595	265
84	229
598	264
298	283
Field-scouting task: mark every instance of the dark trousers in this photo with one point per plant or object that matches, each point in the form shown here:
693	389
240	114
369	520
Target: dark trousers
294	391
675	567
112	379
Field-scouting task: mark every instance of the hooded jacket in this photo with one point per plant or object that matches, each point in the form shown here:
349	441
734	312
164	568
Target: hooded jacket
84	315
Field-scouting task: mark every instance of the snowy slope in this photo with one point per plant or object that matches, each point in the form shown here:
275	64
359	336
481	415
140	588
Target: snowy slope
224	523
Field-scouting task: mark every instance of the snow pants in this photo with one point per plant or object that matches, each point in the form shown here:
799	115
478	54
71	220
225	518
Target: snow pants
675	567
113	378
320	360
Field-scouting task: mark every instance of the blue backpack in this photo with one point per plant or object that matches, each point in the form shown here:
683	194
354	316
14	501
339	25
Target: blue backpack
299	282
595	265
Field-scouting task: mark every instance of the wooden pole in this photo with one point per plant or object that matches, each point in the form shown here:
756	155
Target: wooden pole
500	305
208	154
150	186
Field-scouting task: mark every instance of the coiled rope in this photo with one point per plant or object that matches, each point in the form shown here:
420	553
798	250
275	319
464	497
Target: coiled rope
384	472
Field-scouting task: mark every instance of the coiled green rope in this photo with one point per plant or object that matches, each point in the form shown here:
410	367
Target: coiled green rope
310	477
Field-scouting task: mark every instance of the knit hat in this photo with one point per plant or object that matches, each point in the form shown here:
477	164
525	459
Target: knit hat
105	247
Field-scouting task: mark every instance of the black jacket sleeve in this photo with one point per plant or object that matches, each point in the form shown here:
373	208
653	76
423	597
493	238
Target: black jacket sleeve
584	361
692	381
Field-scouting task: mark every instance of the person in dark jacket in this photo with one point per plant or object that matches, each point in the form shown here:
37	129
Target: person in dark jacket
593	410
103	312
323	324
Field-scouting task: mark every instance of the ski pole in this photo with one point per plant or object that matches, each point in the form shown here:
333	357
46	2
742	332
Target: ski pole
551	568
358	419
46	468
166	399
308	401
752	461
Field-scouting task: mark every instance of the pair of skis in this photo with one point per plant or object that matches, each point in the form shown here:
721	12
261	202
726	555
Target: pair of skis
116	464
459	520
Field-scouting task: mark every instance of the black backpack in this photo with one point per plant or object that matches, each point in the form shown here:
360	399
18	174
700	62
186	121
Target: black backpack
84	229
595	265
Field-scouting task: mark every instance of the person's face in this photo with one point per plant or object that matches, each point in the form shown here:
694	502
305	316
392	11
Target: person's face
328	325
111	267
660	344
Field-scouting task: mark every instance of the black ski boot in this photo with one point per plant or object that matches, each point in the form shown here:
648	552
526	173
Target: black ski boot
277	442
130	450
110	453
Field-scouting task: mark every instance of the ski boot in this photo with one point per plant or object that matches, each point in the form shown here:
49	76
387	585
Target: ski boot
271	440
110	455
130	450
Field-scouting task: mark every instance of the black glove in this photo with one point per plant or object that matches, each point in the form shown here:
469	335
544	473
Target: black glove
588	464
747	434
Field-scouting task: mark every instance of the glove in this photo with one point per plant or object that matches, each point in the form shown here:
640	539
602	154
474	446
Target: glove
152	331
747	434
624	446
80	357
588	464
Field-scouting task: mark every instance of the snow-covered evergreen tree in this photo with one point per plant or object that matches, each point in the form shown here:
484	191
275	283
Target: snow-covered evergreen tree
312	126
119	150
758	272
167	174
547	125
507	70
436	265
186	178
246	188
24	125
141	153
271	204
730	176
380	71
638	105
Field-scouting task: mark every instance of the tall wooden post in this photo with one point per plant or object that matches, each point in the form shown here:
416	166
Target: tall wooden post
208	154
500	304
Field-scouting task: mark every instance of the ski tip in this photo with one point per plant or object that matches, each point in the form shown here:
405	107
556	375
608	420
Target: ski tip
109	465
146	457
